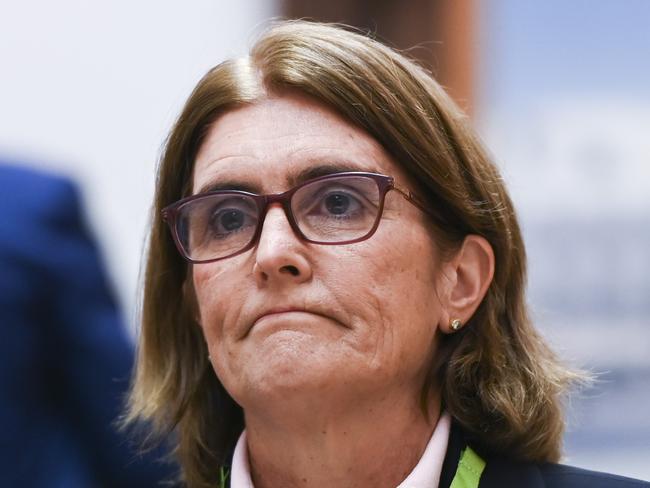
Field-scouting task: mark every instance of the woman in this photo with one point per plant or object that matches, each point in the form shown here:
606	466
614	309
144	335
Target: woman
340	301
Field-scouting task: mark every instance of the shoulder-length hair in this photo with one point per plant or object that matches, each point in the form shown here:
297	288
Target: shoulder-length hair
498	378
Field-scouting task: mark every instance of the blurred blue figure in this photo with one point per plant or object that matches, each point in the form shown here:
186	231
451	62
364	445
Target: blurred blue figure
65	360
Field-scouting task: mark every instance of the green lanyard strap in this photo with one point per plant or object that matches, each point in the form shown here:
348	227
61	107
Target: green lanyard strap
470	468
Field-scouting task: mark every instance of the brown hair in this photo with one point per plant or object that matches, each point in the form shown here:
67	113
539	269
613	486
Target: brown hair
499	380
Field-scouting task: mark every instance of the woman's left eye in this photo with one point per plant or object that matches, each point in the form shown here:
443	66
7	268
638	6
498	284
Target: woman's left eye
339	204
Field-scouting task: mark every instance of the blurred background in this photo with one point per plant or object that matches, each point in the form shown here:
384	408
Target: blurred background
557	89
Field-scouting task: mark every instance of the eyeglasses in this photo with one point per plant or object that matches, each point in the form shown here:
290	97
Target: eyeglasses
340	208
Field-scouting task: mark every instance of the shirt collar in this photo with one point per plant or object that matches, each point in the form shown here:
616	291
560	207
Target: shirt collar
425	474
240	475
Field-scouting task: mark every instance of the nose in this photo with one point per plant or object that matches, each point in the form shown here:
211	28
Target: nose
280	256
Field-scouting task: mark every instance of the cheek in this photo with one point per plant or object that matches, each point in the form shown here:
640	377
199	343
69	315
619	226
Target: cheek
392	298
219	309
211	300
402	271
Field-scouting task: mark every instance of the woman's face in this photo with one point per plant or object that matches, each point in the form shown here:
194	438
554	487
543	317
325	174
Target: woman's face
292	320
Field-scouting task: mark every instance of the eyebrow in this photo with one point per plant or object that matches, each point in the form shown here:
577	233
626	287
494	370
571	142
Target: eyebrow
293	180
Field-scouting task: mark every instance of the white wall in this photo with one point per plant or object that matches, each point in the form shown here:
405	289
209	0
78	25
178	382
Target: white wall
91	88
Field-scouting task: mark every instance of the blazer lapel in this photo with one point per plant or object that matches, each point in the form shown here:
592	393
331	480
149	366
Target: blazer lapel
498	472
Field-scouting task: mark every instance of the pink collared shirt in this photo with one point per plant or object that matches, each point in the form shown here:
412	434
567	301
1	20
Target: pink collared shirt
426	473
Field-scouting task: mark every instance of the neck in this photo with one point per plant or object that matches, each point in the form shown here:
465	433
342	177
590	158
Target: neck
372	444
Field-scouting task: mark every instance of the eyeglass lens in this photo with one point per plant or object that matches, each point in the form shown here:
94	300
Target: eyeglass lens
328	210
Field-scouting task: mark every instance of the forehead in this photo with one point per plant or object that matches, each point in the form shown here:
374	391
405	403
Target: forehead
266	146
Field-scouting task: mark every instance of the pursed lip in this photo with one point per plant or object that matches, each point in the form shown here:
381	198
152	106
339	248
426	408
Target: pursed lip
288	309
278	310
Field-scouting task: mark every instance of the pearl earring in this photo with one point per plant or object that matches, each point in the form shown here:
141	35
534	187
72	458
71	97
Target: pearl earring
455	325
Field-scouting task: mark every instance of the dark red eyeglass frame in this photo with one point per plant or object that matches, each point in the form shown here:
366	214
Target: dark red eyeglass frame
384	185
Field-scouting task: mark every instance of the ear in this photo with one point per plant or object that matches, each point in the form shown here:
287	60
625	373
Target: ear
468	275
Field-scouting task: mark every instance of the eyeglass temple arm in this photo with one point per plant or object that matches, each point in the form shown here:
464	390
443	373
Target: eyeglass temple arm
414	199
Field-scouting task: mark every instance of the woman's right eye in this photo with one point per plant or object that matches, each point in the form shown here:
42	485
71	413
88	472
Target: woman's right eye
226	220
230	220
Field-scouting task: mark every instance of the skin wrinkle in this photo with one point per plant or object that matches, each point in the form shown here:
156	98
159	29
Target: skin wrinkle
369	147
387	337
385	340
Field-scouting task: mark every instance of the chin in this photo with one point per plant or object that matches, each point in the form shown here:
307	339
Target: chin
285	366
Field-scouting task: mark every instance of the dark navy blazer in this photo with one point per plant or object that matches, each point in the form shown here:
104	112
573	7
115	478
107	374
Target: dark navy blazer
65	360
504	473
